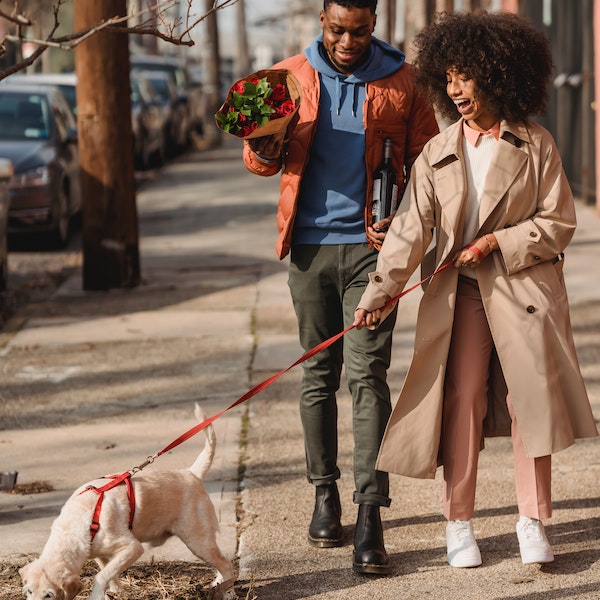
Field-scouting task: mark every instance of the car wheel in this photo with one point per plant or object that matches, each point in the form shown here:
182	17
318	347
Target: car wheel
61	220
3	262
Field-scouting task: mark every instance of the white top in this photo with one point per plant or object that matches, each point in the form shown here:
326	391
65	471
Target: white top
477	162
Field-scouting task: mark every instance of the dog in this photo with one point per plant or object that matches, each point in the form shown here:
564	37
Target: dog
167	503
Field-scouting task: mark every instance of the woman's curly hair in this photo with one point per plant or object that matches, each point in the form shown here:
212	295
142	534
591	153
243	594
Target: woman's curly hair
509	60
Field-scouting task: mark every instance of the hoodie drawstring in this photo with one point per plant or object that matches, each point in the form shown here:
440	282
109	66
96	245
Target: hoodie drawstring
338	96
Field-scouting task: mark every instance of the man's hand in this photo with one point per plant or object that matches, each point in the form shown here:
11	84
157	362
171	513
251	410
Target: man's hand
268	147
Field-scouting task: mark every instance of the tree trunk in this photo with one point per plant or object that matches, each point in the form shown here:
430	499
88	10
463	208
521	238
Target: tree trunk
243	64
110	228
213	72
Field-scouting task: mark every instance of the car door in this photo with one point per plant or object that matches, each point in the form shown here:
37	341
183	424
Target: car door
66	132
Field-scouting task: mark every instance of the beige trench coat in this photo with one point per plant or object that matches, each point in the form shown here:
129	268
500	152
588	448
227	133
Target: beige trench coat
527	203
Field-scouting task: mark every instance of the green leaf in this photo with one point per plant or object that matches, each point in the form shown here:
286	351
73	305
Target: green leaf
249	89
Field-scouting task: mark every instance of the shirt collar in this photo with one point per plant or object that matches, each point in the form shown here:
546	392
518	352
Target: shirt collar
472	135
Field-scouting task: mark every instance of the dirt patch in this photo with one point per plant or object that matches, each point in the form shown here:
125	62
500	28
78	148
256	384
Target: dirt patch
160	581
35	487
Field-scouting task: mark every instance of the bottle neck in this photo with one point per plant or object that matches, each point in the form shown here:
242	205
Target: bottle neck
387	151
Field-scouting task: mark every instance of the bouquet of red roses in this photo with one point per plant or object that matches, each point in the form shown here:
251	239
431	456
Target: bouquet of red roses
260	104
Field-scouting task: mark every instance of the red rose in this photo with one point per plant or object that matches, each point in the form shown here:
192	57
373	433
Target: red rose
239	87
279	93
247	129
287	108
255	80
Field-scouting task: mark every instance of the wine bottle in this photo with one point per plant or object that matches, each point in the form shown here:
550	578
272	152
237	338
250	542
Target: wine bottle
385	188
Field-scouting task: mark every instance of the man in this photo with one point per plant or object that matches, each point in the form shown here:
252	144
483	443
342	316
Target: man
356	92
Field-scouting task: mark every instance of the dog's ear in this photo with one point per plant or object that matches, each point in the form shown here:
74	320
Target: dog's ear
71	587
23	572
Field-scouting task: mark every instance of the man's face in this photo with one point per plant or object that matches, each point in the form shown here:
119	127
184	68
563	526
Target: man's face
347	35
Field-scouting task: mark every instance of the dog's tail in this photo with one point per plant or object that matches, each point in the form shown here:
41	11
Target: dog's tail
204	461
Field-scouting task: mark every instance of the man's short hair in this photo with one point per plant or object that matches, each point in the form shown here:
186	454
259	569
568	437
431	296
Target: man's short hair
370	4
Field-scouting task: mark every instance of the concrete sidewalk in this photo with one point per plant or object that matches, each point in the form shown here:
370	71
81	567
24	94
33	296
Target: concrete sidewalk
94	383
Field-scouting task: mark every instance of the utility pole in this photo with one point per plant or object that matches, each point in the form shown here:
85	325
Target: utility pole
243	66
213	68
415	18
110	227
383	20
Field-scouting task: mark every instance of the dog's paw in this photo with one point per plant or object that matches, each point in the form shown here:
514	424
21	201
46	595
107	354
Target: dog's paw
219	592
115	586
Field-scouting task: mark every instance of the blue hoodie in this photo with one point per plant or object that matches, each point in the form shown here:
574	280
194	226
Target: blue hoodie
332	193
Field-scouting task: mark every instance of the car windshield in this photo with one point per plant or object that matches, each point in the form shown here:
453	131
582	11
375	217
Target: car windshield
70	93
23	116
161	87
177	73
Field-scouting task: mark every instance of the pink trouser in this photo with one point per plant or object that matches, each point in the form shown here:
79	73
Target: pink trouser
465	405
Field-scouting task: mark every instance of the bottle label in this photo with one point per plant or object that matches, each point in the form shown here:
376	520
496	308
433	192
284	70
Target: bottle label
376	210
395	201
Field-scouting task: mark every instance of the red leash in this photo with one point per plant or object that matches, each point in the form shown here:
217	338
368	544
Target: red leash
267	382
126	477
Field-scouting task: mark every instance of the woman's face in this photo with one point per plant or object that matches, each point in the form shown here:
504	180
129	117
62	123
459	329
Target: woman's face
471	105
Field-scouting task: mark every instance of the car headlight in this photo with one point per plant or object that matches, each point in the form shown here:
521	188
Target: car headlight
33	178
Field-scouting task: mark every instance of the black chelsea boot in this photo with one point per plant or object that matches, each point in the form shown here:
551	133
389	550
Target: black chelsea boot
325	529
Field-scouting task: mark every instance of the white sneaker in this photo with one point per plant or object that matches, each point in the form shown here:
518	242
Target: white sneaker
533	542
463	551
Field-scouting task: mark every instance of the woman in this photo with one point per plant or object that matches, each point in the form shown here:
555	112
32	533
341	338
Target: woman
494	352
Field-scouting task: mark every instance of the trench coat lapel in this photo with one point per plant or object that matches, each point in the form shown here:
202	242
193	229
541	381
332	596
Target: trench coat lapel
448	161
505	167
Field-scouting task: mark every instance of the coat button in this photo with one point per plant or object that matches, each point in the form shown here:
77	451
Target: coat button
531	309
378	278
532	234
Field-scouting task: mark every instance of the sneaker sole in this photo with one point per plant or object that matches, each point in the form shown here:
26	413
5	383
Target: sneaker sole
538	559
466	564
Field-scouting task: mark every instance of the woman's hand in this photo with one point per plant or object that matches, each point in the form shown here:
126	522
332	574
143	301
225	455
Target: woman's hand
473	254
364	318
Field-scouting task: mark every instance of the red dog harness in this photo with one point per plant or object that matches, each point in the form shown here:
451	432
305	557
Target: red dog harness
116	480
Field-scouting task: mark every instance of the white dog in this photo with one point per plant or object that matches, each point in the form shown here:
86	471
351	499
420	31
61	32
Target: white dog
166	503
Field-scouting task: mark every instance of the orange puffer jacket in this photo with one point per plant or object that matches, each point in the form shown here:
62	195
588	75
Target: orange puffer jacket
393	109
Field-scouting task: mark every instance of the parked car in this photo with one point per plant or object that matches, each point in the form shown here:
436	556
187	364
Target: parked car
189	87
175	111
6	172
149	121
147	118
66	82
38	135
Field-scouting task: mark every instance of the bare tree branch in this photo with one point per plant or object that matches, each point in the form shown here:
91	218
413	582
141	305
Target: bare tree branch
158	11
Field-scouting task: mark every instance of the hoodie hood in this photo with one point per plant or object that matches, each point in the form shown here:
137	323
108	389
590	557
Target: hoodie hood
382	61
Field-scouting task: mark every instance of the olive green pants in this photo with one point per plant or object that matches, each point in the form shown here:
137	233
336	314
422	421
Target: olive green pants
326	283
